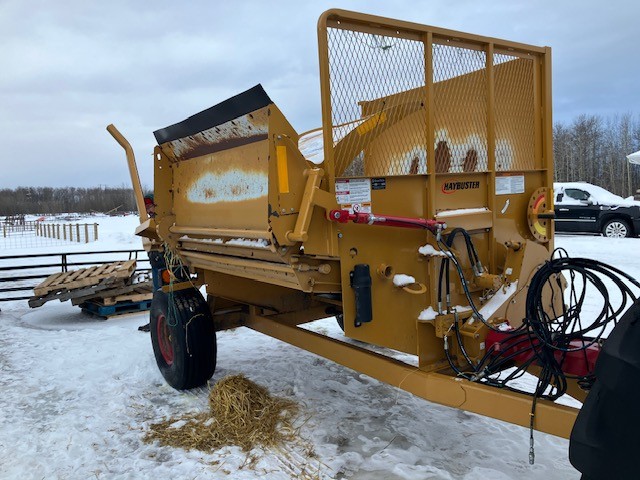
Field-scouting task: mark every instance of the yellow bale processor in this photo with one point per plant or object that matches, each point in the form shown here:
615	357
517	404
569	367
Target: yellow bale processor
420	215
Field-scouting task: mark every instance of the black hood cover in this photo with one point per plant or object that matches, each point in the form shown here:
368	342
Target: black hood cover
233	107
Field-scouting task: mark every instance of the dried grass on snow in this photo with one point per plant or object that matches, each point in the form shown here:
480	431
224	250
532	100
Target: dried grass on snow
240	413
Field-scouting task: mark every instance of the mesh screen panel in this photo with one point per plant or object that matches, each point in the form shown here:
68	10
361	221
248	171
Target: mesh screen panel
515	115
377	91
378	103
460	109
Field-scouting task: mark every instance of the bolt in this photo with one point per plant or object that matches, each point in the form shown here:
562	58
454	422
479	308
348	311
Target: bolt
340	235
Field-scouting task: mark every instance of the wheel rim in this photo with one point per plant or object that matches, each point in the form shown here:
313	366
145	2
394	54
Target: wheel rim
164	339
616	230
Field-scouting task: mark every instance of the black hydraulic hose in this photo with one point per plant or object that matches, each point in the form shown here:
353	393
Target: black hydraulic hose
456	328
556	333
547	330
467	293
444	265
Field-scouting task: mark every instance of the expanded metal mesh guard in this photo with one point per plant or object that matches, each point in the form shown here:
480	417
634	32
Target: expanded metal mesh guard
515	115
460	109
377	89
366	71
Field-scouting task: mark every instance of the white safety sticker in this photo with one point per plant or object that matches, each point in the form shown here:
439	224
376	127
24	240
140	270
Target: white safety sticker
509	184
352	191
357	207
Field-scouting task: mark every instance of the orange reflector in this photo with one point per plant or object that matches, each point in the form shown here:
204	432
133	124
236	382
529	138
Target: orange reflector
166	276
283	169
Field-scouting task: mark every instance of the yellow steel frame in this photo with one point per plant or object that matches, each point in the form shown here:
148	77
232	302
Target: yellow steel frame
438	386
276	278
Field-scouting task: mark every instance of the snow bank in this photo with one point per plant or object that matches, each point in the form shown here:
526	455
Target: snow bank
79	394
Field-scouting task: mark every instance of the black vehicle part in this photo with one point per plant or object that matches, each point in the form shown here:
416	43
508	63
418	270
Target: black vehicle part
183	338
603	443
158	264
616	228
360	279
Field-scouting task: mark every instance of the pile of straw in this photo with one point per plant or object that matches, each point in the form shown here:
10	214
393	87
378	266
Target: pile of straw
240	413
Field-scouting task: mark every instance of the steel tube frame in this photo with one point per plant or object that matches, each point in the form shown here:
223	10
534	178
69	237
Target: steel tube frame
434	386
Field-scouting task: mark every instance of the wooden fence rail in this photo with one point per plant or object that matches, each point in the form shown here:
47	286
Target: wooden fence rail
11	227
79	232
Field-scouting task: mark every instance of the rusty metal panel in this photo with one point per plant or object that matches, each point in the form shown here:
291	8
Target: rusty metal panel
219	163
237	121
243	130
226	190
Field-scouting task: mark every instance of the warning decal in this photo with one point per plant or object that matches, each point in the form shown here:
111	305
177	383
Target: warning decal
354	194
509	184
353	190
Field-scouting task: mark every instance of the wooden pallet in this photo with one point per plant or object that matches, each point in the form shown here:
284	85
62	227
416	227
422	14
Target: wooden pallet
136	292
84	283
85	292
85	277
120	308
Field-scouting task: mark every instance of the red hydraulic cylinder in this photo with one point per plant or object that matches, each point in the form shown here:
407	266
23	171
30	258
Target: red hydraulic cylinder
344	216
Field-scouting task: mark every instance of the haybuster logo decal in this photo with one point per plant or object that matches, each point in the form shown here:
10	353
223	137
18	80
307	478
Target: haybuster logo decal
453	187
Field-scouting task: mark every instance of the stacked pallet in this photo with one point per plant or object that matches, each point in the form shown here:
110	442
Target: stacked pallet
104	290
117	301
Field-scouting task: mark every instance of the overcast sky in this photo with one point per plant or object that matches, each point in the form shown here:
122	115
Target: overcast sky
70	68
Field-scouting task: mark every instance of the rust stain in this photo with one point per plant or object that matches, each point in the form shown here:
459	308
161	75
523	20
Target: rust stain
246	129
229	186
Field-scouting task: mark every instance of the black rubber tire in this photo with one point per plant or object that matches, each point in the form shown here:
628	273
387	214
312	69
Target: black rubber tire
189	339
614	225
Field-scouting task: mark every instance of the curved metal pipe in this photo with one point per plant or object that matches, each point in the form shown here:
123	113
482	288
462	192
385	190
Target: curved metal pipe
133	171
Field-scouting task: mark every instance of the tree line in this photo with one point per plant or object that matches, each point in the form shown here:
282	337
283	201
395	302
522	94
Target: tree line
594	149
45	200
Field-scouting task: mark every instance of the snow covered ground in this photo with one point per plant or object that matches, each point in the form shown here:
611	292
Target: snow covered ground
78	394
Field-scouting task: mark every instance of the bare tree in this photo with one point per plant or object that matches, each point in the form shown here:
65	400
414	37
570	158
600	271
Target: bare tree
593	149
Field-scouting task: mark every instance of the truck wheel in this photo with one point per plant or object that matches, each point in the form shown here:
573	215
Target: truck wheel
616	228
183	338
